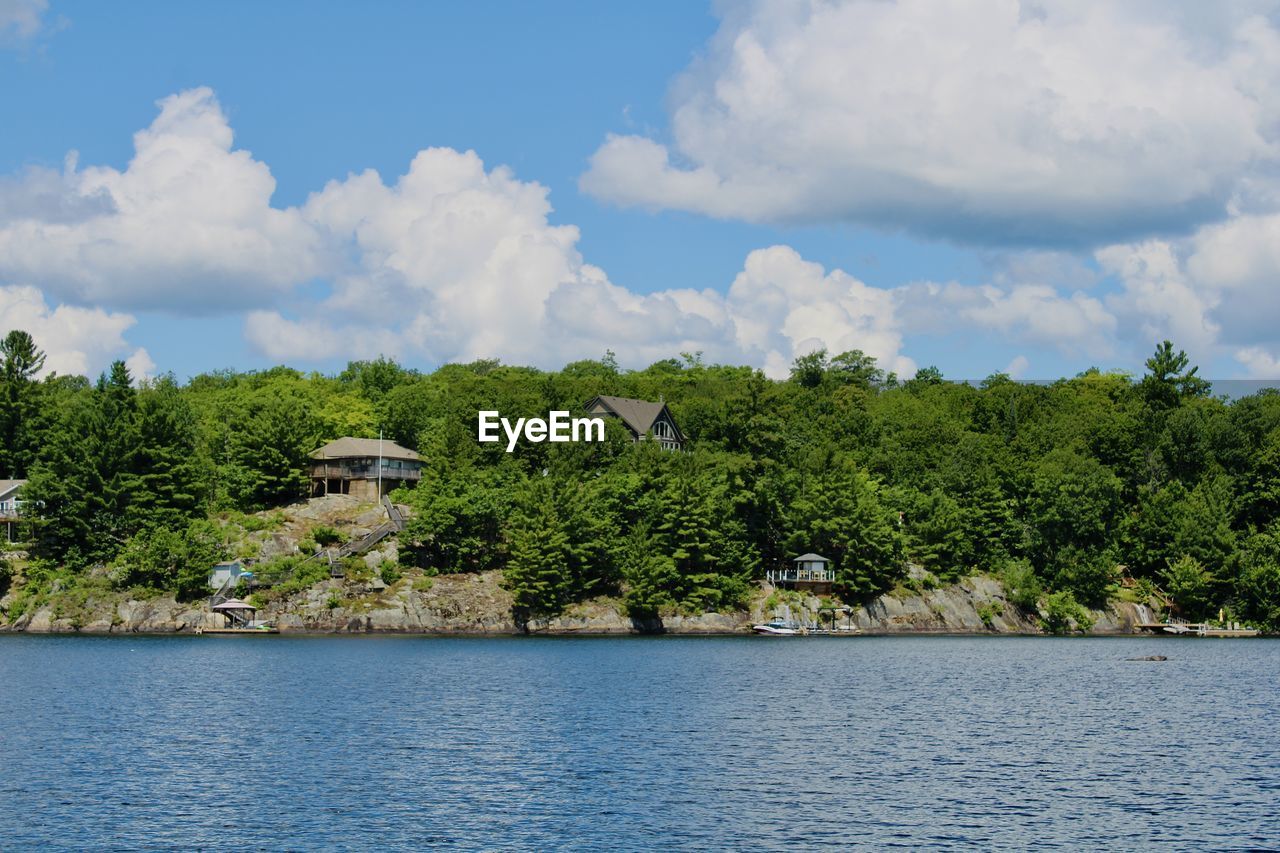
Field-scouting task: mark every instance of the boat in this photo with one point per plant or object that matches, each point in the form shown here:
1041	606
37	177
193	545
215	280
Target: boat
777	627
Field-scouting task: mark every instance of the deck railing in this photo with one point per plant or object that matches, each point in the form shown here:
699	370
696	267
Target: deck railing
363	472
797	575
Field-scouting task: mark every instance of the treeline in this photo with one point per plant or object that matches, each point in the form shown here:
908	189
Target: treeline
1076	488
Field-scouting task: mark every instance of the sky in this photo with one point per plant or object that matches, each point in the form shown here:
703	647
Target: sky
1034	187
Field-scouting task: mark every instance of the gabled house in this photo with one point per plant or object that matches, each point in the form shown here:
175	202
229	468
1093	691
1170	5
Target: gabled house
10	504
356	466
642	418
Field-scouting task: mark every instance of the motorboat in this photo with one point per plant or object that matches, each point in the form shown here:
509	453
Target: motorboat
777	628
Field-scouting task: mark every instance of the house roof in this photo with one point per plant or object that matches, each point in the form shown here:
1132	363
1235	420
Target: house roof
9	486
810	558
347	448
234	604
640	415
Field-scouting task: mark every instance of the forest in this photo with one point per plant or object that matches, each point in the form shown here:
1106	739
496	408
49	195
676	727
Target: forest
1075	491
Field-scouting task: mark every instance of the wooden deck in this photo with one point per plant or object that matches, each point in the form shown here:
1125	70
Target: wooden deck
1193	629
237	630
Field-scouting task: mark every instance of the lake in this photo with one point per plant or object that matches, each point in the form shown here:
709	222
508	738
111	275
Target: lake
638	743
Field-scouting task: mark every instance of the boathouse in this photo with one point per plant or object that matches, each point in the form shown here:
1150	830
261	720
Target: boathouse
642	418
808	571
10	503
365	467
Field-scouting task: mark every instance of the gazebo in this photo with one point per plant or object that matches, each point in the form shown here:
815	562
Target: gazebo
239	614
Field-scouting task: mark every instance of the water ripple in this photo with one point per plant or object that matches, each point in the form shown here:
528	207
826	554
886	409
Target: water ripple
684	743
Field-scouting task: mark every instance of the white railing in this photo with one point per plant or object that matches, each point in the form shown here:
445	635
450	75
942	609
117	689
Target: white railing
794	575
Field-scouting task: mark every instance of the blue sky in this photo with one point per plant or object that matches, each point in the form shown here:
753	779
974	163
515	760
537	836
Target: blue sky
1036	187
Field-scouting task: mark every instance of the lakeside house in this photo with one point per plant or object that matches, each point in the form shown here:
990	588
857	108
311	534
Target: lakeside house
810	572
365	467
642	418
10	505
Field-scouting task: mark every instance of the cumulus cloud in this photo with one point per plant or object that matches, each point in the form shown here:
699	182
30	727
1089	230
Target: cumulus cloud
1259	363
998	122
456	262
188	226
75	340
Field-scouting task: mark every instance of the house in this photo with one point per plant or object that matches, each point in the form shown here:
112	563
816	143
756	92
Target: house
642	419
362	467
808	571
10	504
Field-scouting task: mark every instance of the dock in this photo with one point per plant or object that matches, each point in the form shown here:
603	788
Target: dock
1194	629
237	630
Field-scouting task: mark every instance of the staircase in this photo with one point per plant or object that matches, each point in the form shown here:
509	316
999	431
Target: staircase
224	591
393	524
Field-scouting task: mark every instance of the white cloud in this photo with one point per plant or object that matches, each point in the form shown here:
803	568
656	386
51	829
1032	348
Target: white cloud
783	307
1158	301
1035	314
188	226
996	121
453	262
75	340
1259	363
1017	368
21	19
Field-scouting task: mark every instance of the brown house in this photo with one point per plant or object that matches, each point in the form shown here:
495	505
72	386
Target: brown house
642	418
351	466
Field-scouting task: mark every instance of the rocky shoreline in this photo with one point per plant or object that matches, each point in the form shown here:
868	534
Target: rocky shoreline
476	604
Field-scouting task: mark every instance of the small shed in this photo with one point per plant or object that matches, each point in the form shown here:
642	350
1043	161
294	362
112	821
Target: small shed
226	573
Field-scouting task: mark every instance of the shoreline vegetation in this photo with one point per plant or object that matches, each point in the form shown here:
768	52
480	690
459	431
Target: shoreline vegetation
1082	505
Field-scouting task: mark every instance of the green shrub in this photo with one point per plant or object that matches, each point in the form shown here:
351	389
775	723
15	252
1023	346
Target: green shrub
325	535
423	584
987	612
1021	586
1061	610
334	601
389	572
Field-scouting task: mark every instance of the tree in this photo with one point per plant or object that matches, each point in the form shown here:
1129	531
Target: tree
1169	381
1189	584
20	361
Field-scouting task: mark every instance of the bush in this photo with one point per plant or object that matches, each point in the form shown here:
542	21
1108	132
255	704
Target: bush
1061	610
1021	586
6	575
987	612
390	572
324	535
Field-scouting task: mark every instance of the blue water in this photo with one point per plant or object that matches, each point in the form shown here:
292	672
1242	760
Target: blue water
694	743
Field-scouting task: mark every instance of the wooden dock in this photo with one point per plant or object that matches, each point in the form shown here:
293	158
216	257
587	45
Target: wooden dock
237	630
1193	629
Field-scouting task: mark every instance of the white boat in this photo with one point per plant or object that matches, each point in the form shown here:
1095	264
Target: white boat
777	628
